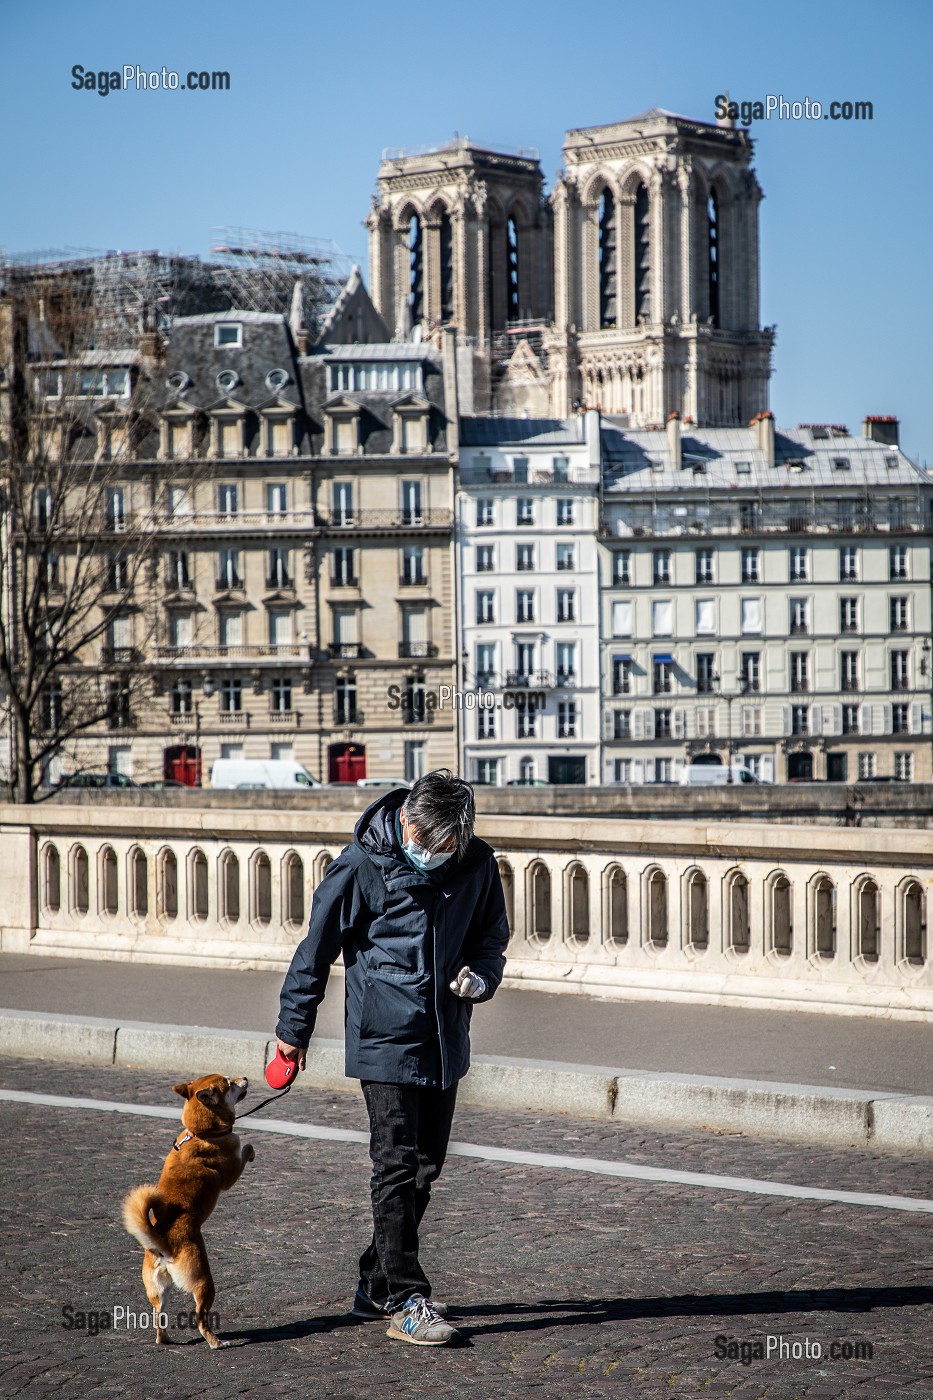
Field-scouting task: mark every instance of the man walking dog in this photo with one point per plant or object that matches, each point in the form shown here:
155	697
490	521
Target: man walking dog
415	904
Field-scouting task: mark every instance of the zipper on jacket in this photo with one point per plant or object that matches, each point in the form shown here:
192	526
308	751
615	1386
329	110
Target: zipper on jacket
437	986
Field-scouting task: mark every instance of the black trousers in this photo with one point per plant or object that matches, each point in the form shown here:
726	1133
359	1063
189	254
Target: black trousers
409	1133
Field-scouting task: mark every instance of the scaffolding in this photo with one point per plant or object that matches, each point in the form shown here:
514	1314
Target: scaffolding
259	271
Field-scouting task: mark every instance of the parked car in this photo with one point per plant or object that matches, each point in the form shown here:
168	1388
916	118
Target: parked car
160	784
281	774
96	780
716	775
382	783
528	782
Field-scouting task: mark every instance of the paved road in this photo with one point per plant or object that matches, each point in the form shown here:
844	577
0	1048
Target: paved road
790	1046
565	1283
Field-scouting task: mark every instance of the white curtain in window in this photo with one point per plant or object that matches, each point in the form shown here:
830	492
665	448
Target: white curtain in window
621	619
280	627
231	631
344	626
662	617
705	615
751	614
415	626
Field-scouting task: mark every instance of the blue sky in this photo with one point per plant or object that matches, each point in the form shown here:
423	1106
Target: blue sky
317	90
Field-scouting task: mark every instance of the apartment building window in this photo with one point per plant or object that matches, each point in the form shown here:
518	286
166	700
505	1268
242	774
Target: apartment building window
415	707
850	719
526	723
524	511
704	617
849	670
566	719
342	498
413	564
704	719
566	663
622	724
662	724
415	760
182	701
411	503
706	670
799	671
622	567
484	512
118	704
231	695
118	573
848	563
622	770
344	568
750	565
485	723
799	616
704	566
900	670
180	630
904	767
662	618
664	770
44	508
799	563
485	606
230	626
751	722
565	557
487	772
621	618
524	558
566	605
281	695
280	627
900	718
561	469
520	471
279	575
485	662
661	566
565	512
663	677
867	766
485	558
179	501
345	700
228	498
346	625
622	675
848	614
524	605
228	569
115	509
750	672
898	561
178	572
800	719
750	615
899	615
276	497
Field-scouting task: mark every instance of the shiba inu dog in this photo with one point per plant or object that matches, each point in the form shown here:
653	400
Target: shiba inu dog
167	1218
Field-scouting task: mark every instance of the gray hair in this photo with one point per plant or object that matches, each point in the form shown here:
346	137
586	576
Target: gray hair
442	808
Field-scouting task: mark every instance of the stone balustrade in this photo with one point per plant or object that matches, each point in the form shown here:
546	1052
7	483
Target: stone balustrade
736	913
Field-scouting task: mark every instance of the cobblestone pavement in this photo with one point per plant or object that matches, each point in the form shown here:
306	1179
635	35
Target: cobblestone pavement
565	1284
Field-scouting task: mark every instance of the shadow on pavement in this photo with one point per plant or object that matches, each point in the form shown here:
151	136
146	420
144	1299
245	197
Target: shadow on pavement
569	1312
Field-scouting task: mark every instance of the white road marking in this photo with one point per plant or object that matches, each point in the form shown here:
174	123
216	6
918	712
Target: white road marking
548	1161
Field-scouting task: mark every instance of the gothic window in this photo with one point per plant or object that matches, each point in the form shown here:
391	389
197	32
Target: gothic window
416	268
511	263
447	269
642	255
607	259
712	225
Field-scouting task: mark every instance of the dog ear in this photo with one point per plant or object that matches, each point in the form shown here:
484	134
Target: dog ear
208	1097
183	1089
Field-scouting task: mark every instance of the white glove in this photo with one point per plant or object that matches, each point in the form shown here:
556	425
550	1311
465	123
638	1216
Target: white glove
468	984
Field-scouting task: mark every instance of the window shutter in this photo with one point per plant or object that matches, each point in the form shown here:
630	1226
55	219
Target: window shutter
917	725
680	723
865	719
816	719
638	724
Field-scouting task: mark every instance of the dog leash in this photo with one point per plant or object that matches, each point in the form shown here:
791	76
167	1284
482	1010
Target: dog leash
271	1099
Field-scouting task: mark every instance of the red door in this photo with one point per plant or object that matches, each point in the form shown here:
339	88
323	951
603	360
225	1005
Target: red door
182	764
346	763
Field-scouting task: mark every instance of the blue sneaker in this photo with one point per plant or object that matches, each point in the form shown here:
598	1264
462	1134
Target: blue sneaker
421	1322
366	1307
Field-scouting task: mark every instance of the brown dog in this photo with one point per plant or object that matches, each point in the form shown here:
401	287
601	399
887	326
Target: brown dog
167	1218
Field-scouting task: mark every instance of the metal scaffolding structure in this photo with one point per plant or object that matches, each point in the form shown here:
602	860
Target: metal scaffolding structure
259	271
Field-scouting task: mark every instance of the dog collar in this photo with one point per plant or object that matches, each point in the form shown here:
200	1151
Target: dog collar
189	1136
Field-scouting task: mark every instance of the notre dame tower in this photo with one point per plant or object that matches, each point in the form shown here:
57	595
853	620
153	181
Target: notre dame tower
634	289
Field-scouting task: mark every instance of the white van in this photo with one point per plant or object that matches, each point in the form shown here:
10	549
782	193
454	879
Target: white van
283	774
715	775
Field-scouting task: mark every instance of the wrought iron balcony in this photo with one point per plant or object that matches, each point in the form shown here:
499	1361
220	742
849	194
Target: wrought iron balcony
413	651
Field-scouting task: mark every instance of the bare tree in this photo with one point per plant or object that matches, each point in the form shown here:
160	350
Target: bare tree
78	520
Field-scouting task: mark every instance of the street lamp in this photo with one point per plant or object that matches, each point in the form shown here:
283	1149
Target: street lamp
208	690
732	695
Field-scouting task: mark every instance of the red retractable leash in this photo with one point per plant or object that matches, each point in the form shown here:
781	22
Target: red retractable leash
280	1074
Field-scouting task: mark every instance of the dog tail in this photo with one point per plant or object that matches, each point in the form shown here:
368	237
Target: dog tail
144	1216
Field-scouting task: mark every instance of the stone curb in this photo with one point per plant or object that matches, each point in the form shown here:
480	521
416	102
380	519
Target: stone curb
788	1112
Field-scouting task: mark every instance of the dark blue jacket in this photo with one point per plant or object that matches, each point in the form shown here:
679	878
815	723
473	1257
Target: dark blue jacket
404	937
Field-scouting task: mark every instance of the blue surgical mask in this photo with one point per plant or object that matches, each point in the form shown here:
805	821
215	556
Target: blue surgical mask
419	856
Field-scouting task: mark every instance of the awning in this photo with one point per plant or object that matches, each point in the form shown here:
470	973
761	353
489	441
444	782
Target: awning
622	656
665	656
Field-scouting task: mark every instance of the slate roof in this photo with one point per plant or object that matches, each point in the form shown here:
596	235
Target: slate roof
535	432
638	460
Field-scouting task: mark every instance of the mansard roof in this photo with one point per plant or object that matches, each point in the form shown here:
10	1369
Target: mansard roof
534	432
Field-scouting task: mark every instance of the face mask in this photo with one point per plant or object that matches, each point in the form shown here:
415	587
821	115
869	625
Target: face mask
423	859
